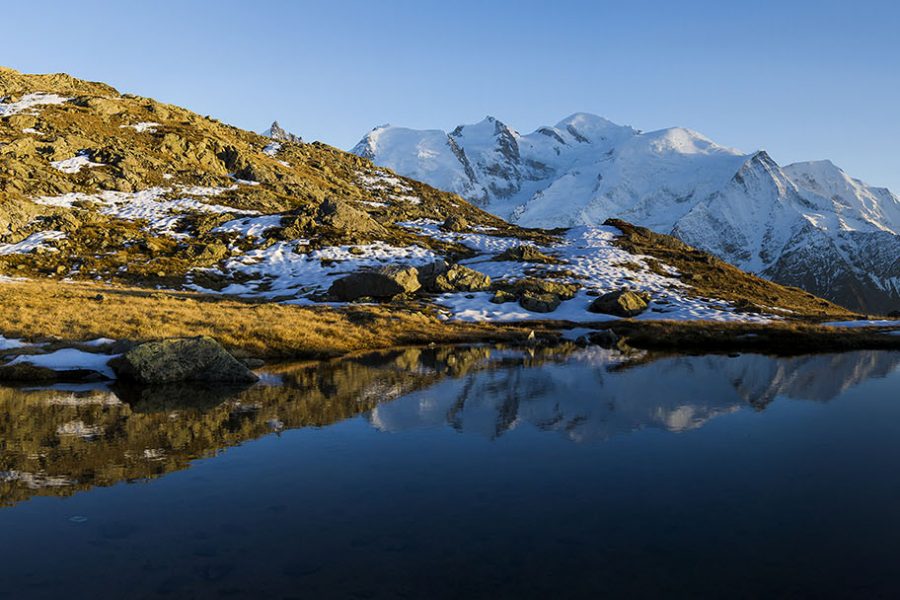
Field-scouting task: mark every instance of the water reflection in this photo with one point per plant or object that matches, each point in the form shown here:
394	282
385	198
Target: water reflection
65	439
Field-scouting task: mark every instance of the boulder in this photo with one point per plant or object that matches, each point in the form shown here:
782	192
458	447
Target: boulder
621	303
455	223
525	253
385	282
541	303
565	291
502	297
348	219
199	359
458	278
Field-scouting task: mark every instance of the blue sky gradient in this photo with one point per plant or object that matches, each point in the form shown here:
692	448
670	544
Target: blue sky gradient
803	80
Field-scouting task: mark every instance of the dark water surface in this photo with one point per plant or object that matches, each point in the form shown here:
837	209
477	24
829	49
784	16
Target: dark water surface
464	473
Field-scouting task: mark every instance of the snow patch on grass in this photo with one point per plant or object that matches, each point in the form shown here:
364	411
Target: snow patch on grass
29	101
34	241
280	270
250	226
144	126
75	164
163	216
70	359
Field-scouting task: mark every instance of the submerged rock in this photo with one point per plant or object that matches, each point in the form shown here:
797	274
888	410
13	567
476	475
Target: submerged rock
621	303
182	359
385	282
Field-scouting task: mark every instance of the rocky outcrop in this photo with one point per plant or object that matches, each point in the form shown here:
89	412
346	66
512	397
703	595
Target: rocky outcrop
621	303
383	283
197	359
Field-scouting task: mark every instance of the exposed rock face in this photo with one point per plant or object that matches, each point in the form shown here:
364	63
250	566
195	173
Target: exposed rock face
621	303
200	359
536	302
276	132
525	253
385	282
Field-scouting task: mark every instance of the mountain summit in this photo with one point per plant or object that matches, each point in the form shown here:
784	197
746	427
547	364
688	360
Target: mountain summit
277	132
808	224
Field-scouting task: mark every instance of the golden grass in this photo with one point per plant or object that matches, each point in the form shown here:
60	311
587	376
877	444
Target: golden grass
40	309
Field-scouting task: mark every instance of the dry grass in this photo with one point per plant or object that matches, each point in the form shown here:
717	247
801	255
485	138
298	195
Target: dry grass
40	309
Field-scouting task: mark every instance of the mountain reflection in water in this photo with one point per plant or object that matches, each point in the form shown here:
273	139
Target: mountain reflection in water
62	440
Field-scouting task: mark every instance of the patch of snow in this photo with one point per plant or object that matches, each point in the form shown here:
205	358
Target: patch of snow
145	126
272	149
11	343
29	101
280	270
163	216
70	359
864	323
102	341
250	226
75	164
243	181
33	131
32	243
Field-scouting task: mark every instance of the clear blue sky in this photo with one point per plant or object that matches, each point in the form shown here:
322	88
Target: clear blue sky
804	80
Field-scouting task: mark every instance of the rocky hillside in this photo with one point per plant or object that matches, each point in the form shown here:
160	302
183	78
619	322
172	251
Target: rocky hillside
809	224
100	186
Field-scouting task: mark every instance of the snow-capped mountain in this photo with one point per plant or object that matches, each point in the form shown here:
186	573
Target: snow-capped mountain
806	224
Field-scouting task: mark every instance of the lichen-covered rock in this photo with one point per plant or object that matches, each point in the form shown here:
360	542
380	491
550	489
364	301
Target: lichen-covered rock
621	303
565	291
525	253
502	297
458	278
455	223
385	282
348	219
541	303
182	359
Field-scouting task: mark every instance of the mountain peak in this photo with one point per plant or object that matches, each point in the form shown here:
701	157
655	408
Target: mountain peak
277	132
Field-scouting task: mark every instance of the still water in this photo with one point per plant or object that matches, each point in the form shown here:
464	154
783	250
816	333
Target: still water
463	473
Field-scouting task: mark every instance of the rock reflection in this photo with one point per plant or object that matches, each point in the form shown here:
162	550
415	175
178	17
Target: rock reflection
62	440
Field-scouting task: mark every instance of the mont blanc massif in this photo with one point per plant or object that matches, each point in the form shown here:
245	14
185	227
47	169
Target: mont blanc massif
808	224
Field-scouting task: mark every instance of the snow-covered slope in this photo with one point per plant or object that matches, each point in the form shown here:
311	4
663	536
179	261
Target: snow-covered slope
806	224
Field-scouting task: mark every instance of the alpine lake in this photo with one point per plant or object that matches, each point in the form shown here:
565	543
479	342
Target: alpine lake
450	472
